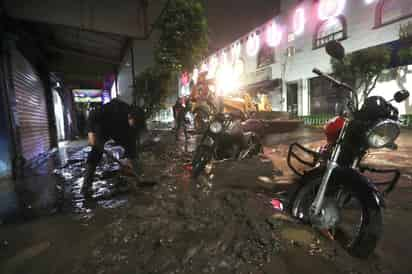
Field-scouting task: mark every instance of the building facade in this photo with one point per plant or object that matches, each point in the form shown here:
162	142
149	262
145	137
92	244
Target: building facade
277	58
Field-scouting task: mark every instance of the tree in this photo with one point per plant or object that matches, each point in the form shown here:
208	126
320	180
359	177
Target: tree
182	43
362	69
183	37
153	86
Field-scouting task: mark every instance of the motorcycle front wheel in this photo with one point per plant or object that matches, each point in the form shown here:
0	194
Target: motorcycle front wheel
357	225
202	156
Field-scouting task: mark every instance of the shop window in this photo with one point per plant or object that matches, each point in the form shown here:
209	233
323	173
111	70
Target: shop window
329	30
266	56
291	51
324	98
390	11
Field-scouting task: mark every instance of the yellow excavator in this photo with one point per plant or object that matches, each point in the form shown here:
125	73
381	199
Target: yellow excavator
205	103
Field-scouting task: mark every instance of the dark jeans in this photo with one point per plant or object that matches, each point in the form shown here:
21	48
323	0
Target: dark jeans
181	123
95	156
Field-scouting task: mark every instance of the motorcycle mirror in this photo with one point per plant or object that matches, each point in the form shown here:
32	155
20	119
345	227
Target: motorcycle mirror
335	50
401	96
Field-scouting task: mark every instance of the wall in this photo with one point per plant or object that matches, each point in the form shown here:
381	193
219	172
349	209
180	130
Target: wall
143	58
361	34
360	19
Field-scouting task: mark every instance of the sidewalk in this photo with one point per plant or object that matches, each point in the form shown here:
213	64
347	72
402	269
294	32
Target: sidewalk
38	192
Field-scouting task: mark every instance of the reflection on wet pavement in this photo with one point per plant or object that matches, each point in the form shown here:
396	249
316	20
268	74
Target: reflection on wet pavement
107	182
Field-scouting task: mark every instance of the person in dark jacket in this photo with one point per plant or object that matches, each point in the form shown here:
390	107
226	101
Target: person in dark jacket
179	114
116	121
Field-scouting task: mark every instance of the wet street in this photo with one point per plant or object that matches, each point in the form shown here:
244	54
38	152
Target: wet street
227	222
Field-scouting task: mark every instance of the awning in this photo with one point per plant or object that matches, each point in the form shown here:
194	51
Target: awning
263	85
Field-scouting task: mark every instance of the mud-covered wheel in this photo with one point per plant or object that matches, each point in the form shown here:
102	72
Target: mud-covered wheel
202	156
201	120
359	224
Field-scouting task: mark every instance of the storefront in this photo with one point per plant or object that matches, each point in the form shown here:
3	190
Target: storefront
324	98
31	111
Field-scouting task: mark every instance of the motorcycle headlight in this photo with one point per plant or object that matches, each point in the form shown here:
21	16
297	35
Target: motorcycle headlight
383	133
216	127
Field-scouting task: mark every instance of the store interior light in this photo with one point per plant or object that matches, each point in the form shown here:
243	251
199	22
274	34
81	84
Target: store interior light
273	35
226	80
299	21
330	8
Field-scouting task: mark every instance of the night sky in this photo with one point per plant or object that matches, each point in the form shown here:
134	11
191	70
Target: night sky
231	19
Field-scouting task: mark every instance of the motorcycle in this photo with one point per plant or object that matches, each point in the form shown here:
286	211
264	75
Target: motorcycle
225	138
334	195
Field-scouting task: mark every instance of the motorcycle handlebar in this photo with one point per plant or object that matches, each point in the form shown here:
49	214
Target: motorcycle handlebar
333	80
340	84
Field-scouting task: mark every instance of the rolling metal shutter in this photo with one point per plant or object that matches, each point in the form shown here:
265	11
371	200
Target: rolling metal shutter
31	107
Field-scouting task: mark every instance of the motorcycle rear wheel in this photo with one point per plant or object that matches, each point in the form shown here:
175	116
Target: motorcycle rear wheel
366	234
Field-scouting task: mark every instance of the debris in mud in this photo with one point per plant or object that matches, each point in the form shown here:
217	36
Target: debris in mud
221	232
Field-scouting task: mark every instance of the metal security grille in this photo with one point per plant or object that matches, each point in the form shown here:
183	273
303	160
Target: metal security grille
31	107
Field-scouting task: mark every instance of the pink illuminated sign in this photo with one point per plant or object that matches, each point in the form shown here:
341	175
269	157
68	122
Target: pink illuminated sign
330	8
273	35
299	21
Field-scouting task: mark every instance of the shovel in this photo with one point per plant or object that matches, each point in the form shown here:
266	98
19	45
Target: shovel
128	171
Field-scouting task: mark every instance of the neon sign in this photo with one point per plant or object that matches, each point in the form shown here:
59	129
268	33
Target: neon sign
330	8
184	79
299	21
273	35
253	44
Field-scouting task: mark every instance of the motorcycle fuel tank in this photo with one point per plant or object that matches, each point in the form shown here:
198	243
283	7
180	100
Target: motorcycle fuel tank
333	128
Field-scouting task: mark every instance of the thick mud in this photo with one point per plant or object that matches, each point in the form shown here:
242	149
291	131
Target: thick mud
225	222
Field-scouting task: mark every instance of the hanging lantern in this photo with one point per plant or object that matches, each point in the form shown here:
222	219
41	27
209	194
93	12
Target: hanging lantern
273	35
235	50
330	8
299	21
253	44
